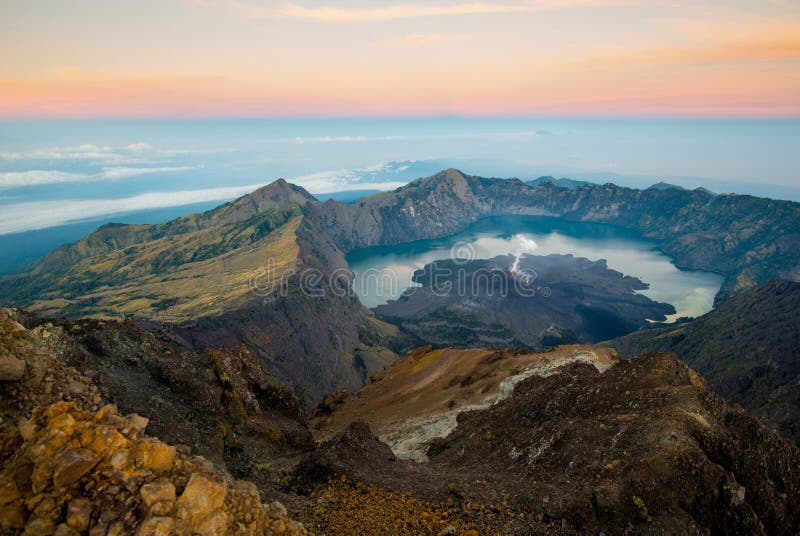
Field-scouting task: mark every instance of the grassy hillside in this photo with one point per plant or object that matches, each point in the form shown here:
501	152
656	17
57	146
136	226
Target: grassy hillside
175	277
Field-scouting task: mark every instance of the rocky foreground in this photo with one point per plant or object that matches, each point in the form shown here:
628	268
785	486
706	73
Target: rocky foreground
447	441
68	472
71	466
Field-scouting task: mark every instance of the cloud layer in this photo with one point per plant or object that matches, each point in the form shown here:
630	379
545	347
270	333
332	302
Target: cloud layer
42	214
36	177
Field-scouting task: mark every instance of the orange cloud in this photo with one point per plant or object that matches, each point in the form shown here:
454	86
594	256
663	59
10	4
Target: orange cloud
401	11
420	39
769	49
712	43
731	93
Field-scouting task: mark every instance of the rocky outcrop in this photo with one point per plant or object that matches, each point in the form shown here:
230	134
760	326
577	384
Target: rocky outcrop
636	446
747	350
31	374
418	399
221	403
68	472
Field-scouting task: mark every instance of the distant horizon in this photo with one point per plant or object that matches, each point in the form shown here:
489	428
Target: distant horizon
578	117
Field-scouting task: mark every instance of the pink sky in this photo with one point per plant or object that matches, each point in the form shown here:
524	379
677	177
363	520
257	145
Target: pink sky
153	58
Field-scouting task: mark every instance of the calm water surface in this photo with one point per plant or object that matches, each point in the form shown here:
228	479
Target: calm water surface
383	273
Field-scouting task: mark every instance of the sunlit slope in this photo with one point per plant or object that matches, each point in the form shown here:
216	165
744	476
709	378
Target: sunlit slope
277	194
177	277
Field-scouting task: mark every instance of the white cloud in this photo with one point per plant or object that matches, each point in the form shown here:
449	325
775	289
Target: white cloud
331	14
133	153
341	180
331	139
454	136
81	152
125	172
13	179
139	147
38	176
42	214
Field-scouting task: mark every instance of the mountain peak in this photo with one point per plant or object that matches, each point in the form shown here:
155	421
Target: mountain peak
665	186
277	193
450	175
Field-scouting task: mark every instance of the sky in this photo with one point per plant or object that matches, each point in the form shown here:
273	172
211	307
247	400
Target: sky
247	58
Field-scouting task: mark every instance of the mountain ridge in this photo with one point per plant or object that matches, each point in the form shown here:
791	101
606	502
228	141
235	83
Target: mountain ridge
748	239
198	272
746	349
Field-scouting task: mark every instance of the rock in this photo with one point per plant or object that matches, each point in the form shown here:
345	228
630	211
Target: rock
105	412
39	525
157	526
12	518
11	368
275	509
137	422
155	455
71	465
79	513
8	492
200	497
117	493
217	522
65	530
160	490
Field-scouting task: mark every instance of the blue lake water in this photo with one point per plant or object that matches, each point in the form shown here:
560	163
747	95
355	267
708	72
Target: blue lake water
383	273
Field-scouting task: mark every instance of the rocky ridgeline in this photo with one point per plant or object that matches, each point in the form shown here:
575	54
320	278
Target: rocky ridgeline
68	472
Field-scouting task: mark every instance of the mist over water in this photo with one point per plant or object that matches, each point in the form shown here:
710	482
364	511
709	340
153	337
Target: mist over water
691	292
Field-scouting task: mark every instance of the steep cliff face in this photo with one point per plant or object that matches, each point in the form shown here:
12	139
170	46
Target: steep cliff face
426	208
747	349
